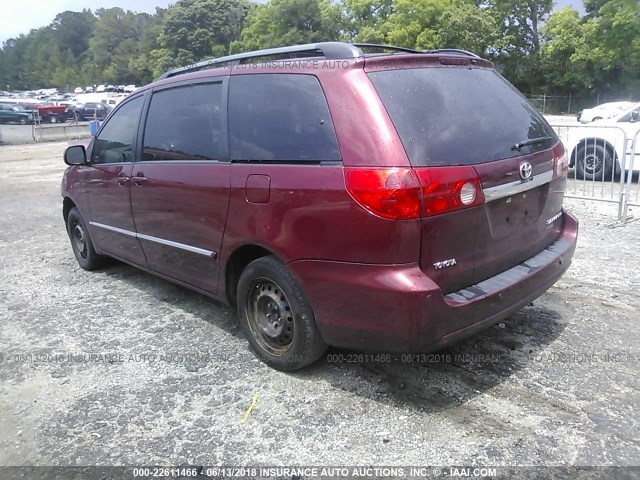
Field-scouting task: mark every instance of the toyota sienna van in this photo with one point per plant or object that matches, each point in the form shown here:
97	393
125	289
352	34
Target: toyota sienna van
368	197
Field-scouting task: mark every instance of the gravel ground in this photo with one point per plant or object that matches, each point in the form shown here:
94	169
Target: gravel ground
118	367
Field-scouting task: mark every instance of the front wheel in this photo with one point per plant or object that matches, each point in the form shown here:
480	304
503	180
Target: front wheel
81	242
276	317
593	162
53	119
23	121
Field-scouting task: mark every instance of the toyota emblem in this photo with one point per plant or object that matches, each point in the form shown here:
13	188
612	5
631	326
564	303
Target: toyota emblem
525	170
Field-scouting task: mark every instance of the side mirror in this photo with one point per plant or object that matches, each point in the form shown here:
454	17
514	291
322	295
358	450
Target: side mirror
635	115
75	155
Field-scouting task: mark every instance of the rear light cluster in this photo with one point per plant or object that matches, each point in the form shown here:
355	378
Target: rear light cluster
406	193
560	161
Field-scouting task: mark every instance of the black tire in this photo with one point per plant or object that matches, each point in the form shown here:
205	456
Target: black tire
593	162
276	317
53	119
81	243
23	121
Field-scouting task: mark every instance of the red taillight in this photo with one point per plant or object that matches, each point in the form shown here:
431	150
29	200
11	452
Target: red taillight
560	161
392	193
404	193
447	189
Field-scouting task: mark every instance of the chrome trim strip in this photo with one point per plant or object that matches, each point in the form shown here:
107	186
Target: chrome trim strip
169	243
182	246
519	186
129	233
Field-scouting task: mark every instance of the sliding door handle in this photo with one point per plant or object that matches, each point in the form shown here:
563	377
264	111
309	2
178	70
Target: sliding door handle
139	180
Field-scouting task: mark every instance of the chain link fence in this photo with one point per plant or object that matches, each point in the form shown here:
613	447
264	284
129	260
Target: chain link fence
572	105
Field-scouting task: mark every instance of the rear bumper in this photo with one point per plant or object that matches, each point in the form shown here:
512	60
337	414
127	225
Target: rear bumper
397	308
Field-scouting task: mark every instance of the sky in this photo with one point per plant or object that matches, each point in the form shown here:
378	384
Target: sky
20	16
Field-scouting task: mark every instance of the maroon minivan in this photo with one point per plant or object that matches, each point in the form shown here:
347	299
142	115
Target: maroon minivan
368	197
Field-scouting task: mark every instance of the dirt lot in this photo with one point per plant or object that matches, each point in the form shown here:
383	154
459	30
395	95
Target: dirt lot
118	367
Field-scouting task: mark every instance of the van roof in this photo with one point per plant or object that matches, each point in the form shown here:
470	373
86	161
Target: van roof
321	50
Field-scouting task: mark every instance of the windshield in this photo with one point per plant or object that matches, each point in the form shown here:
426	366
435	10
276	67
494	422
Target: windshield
460	116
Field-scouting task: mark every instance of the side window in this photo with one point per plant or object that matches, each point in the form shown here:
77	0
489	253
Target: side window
114	143
280	117
632	116
184	123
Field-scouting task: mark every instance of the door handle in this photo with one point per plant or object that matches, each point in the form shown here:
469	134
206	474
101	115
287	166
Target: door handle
139	180
123	180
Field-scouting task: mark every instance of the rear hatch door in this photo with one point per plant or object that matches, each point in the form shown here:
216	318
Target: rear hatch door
461	113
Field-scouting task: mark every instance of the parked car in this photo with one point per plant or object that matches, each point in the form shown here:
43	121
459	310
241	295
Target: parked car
89	89
600	151
603	111
101	88
53	113
78	90
10	113
91	110
130	88
47	113
352	206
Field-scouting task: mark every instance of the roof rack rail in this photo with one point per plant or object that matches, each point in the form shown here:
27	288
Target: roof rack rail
329	50
362	46
452	50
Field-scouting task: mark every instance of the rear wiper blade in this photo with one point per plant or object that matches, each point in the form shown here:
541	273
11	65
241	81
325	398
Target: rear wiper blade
531	141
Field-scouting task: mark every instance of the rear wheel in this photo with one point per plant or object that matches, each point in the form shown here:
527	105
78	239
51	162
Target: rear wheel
23	121
593	162
81	242
53	119
276	317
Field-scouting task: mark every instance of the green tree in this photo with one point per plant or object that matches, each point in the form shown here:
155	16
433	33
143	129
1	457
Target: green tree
73	30
290	22
197	29
564	72
612	46
520	39
467	27
363	19
114	26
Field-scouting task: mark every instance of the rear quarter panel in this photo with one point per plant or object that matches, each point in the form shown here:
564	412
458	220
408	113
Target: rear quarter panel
310	215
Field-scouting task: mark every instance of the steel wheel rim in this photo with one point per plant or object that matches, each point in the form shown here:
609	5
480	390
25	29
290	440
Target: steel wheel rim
79	240
269	316
592	163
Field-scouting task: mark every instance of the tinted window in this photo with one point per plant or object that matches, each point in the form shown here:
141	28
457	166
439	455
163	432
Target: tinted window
281	118
184	123
114	142
459	116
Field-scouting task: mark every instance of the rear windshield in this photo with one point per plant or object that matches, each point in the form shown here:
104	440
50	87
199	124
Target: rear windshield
459	116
